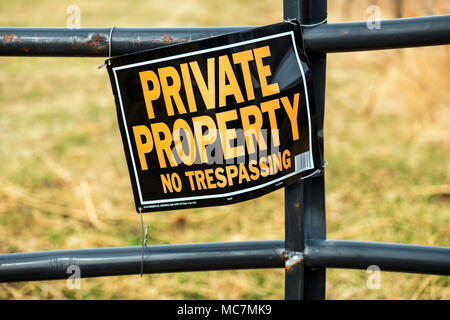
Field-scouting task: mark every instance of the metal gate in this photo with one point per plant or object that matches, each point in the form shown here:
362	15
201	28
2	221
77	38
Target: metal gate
305	253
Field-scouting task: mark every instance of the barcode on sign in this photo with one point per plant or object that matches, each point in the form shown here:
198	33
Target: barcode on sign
303	162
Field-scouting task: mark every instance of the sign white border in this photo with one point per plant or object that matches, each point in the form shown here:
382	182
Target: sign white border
220	195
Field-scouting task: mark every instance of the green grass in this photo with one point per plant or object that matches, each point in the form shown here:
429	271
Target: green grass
64	183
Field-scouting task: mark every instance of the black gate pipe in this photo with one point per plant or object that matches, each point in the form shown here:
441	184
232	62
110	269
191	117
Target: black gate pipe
94	42
387	256
305	254
102	262
52	265
393	34
333	37
305	200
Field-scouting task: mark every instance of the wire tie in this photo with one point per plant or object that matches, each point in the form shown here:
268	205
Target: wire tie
144	240
109	49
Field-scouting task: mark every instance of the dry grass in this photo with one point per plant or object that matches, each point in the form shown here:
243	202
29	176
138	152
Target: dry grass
64	182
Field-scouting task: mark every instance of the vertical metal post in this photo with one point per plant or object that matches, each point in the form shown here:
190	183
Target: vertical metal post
305	200
295	242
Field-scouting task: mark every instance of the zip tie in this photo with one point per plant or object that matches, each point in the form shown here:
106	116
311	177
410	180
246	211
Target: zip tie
314	174
289	21
317	172
145	237
109	49
144	240
315	24
306	25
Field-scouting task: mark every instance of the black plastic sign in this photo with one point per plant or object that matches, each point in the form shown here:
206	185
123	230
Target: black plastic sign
216	121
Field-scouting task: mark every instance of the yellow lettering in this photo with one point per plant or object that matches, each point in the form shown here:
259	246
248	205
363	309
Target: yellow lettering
188	158
264	71
188	87
232	88
292	112
208	138
143	148
171	91
227	135
270	107
150	95
207	92
163	145
243	58
252	129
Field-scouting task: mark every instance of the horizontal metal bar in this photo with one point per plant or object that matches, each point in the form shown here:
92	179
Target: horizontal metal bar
94	42
392	34
334	37
387	256
52	265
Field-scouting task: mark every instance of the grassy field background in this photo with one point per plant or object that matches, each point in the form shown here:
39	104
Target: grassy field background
64	183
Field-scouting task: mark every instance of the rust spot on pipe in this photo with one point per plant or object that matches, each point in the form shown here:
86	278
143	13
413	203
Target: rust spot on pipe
168	39
8	37
26	49
291	259
97	43
289	266
296	204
